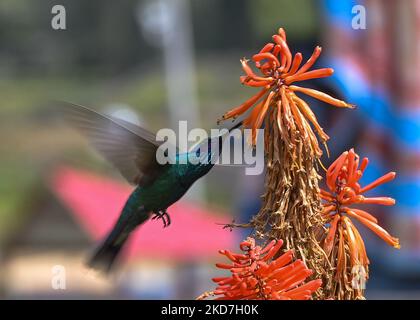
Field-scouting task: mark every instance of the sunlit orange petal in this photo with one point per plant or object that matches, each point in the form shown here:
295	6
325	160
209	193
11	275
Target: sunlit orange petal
364	164
329	240
311	286
321	96
297	60
314	74
362	250
285	50
332	176
341	256
385	201
357	212
298	117
259	83
351	241
311	60
304	108
282	33
380	232
385	178
265	55
264	109
246	105
267	48
329	208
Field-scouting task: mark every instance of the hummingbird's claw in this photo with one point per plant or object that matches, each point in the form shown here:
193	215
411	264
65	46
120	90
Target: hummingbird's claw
166	219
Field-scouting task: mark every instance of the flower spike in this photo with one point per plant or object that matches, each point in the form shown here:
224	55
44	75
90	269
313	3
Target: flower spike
344	190
263	274
279	69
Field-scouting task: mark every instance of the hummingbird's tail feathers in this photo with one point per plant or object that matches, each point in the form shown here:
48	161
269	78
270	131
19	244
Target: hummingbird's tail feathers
105	256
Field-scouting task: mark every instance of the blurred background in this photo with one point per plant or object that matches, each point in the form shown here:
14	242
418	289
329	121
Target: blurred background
157	62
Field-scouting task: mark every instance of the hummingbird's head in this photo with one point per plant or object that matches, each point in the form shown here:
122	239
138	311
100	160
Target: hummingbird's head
203	156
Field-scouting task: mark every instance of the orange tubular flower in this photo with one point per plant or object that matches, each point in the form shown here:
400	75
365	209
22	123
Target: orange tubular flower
278	71
258	275
342	180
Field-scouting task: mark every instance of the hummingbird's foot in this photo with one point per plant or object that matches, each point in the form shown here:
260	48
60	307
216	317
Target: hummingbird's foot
166	219
167	222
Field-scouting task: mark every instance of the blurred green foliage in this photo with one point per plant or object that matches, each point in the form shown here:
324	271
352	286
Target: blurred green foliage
296	16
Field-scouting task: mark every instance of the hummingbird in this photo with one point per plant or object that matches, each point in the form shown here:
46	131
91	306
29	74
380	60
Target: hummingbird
132	150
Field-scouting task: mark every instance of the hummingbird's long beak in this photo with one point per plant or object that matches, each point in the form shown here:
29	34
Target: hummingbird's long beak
224	135
236	126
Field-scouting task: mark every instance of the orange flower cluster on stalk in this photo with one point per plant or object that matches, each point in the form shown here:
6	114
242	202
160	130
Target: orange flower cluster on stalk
257	274
342	181
278	71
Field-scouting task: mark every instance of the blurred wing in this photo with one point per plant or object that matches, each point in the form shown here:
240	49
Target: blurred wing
131	149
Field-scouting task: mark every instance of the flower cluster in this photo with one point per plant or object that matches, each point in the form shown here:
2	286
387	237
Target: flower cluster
278	70
260	273
343	182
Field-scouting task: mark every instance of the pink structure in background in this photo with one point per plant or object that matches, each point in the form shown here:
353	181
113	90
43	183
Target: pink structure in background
96	202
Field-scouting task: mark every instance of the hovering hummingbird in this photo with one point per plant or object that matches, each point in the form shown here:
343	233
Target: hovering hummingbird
132	150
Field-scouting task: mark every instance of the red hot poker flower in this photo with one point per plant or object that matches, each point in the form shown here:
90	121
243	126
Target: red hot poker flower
257	275
343	182
278	70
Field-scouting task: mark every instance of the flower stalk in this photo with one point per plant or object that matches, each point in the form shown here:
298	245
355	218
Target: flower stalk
342	243
291	208
316	223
